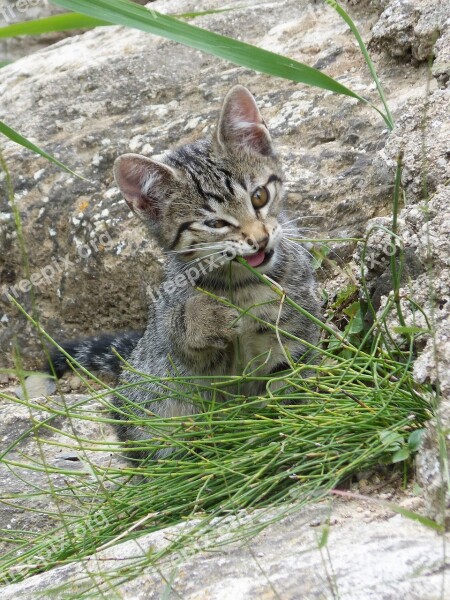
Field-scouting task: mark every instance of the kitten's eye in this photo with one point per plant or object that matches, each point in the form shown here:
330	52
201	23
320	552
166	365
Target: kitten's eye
216	223
260	197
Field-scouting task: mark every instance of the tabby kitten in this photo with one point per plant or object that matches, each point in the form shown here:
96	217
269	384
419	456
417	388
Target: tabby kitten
207	202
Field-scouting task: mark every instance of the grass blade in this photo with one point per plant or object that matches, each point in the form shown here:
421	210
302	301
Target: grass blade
123	12
51	24
19	139
341	12
69	21
202	13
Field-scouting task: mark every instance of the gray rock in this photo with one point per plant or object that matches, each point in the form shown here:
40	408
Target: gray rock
441	64
36	385
410	28
420	136
40	443
424	232
421	133
369	555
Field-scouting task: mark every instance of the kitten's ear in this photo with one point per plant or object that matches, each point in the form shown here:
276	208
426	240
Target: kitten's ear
241	125
144	183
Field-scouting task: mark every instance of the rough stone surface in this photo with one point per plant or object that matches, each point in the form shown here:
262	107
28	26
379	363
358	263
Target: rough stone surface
422	135
409	28
38	446
368	555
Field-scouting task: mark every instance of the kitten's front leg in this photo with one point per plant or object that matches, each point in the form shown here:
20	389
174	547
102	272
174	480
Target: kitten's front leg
209	324
202	328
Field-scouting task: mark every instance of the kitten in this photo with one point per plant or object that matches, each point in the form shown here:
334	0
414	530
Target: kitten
205	203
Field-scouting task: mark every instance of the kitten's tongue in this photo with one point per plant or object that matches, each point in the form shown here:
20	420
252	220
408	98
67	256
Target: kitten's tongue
254	260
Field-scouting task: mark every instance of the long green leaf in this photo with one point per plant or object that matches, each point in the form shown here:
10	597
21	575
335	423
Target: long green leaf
50	24
341	12
19	139
70	21
124	12
211	11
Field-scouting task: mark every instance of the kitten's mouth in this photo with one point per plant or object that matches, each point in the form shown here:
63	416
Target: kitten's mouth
258	259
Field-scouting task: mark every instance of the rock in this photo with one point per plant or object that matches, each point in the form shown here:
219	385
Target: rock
367	560
424	231
422	135
441	64
35	386
36	450
75	383
410	28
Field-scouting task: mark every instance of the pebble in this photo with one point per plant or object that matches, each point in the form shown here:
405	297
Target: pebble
35	386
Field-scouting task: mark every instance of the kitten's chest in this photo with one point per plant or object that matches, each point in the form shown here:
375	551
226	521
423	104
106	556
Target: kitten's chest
257	338
259	302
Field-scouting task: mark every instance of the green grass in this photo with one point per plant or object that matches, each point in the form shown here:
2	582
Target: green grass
239	453
73	21
358	407
23	141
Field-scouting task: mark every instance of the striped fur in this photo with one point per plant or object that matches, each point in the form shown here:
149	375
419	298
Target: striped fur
95	353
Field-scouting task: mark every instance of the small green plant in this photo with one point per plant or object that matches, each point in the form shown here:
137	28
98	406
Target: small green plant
399	447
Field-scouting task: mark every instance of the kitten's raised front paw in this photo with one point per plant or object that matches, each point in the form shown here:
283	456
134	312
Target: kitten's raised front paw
210	324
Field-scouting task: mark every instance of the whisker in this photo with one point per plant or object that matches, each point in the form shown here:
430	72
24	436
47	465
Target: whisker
297	230
292	220
195	261
299	248
284	212
197	247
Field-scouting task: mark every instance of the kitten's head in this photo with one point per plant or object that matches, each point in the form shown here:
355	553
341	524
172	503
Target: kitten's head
213	196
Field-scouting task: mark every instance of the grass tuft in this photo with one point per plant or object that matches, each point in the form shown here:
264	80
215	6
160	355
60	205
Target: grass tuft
358	407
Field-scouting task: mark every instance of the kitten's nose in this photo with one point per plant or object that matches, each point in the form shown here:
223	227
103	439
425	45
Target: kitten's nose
262	244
